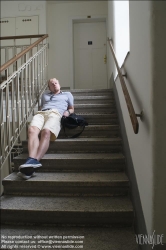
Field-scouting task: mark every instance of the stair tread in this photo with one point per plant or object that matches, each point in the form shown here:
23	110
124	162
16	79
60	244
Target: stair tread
97	114
98	178
94	105
92	126
66	204
91	90
97	127
117	139
77	156
98	97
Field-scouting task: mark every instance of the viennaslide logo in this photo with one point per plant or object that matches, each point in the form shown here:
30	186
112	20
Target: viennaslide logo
154	239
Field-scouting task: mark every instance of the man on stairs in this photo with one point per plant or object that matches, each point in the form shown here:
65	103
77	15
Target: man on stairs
54	105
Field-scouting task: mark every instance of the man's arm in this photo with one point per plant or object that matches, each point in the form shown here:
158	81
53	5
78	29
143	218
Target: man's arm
69	111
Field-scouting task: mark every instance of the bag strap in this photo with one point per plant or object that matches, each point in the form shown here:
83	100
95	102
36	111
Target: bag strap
73	136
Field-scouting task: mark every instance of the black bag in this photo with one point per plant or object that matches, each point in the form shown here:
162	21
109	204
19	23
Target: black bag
73	121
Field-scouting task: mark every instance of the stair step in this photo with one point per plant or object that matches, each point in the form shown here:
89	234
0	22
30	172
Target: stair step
93	131
89	145
104	99
77	162
100	118
66	210
68	184
96	108
94	238
90	92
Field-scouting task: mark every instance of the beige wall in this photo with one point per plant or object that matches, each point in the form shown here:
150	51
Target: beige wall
146	85
59	27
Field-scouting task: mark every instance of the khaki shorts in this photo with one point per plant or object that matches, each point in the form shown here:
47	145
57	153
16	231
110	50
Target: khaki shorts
49	119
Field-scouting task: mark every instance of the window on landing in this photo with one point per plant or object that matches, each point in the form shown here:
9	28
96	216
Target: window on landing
121	30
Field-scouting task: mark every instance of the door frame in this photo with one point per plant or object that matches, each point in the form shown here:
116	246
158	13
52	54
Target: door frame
71	41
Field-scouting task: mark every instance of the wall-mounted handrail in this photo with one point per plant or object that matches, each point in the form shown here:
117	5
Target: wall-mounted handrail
132	113
22	53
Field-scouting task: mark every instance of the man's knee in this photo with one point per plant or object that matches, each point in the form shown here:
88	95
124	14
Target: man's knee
32	131
46	134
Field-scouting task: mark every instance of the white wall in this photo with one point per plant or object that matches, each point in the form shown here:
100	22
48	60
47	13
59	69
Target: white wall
146	85
60	17
26	8
110	34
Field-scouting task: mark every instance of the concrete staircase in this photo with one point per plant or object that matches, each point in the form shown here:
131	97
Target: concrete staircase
82	187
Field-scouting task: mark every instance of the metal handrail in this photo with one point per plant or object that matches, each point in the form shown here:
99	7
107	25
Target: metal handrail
20	93
133	115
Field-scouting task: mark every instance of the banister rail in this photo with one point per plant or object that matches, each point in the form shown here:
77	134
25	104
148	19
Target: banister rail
133	115
20	37
22	53
20	92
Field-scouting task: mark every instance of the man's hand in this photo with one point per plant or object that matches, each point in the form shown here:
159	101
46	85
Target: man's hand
66	113
69	111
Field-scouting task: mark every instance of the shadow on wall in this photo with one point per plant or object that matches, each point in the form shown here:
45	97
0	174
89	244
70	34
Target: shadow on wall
111	81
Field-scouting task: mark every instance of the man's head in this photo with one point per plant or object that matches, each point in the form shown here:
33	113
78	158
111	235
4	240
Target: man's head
54	85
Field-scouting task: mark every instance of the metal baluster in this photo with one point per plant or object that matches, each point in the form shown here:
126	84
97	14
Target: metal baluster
39	70
30	80
38	79
35	77
22	98
2	132
46	61
13	107
18	105
44	80
26	90
32	74
29	88
7	127
43	65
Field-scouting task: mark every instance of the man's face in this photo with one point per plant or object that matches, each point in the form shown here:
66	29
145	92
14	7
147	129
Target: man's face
54	85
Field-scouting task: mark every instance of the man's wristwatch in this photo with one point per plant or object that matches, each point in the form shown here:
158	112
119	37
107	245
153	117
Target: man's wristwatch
68	111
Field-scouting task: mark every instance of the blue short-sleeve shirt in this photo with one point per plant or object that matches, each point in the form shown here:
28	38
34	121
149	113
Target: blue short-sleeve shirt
60	101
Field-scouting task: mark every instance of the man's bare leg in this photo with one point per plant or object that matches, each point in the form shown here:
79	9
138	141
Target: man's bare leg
33	141
43	144
36	151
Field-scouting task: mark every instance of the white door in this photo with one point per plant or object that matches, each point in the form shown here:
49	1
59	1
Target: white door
26	26
17	26
7	29
90	70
